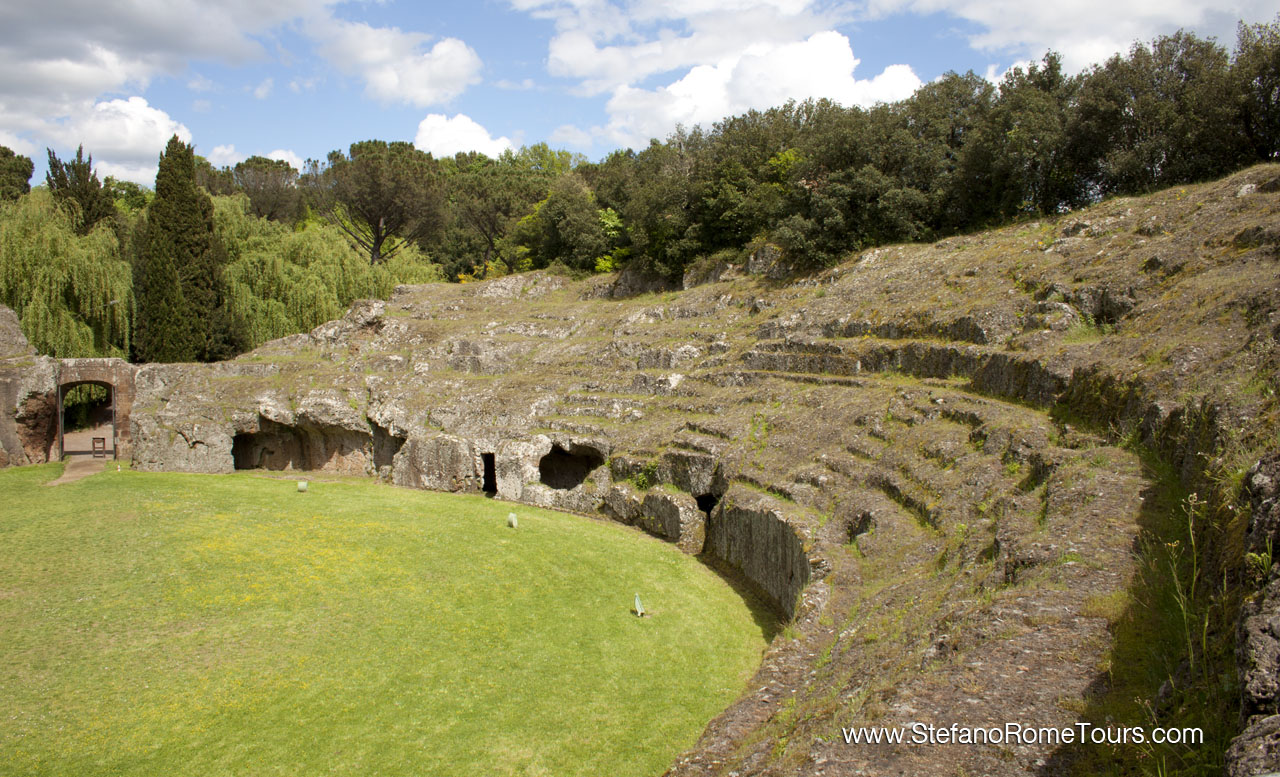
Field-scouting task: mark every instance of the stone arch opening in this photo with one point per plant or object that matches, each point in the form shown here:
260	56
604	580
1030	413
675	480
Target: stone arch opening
567	469
103	423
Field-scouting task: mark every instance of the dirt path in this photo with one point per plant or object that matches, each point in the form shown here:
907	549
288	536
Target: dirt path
78	447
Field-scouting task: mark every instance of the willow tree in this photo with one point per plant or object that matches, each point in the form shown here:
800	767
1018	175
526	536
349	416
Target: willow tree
281	281
73	293
383	196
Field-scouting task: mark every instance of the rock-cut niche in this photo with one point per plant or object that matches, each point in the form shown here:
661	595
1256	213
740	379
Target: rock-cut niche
281	447
566	469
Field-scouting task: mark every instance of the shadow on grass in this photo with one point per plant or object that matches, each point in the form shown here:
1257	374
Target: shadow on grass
766	616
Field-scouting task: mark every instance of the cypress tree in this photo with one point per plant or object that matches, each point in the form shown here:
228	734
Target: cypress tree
161	330
180	264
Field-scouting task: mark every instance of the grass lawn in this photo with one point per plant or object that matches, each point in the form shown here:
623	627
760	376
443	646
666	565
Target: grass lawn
159	624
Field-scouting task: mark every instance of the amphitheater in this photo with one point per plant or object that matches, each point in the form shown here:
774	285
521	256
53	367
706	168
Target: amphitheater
935	462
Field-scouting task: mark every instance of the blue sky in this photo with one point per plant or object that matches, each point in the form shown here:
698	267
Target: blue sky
295	79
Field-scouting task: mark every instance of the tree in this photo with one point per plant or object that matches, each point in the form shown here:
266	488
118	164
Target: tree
566	227
272	187
73	293
214	180
657	210
1165	114
1255	69
127	195
76	187
181	310
15	174
1018	161
382	195
488	196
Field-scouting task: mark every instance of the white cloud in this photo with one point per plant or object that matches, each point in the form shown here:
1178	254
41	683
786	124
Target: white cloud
516	86
571	136
660	38
444	136
288	156
1083	31
720	57
300	85
52	83
763	76
263	90
199	83
18	144
124	136
224	156
397	66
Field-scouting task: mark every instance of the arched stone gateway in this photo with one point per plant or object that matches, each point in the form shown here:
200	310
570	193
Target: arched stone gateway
117	376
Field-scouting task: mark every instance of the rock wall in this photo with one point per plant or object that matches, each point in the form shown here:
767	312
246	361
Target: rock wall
751	533
29	423
1257	749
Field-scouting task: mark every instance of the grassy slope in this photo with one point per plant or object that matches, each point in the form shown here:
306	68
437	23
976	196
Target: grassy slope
169	624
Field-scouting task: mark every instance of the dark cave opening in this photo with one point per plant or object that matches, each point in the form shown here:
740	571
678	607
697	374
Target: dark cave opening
385	447
707	503
489	482
564	469
273	446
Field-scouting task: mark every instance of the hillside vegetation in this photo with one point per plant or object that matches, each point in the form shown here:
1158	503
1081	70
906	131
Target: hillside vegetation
167	276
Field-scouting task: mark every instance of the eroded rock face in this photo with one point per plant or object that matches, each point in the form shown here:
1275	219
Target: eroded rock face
674	517
440	463
28	397
1257	750
751	533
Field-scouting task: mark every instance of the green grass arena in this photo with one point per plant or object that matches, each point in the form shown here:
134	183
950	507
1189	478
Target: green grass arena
160	624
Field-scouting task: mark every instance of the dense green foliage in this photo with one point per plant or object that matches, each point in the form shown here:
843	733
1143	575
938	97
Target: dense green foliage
383	196
15	174
280	280
182	315
271	186
231	625
73	293
76	187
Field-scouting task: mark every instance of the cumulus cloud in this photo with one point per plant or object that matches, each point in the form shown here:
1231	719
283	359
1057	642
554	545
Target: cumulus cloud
224	156
605	49
124	136
1083	31
53	84
397	66
445	136
288	156
711	59
765	75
